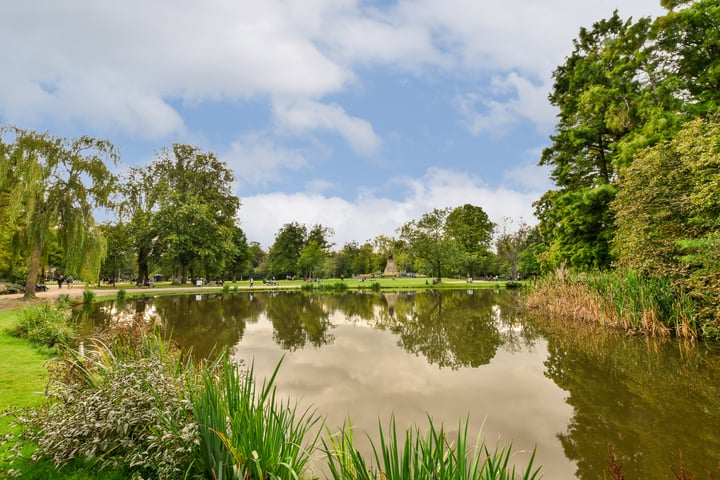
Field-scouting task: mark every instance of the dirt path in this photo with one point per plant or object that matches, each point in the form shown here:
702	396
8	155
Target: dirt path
15	300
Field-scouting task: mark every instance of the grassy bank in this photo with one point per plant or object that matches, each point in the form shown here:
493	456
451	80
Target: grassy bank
624	300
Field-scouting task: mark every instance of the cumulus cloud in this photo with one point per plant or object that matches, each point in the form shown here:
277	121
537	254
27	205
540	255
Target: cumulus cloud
124	64
369	214
258	161
511	99
303	116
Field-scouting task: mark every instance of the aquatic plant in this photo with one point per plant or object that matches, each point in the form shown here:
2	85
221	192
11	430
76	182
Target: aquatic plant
245	432
421	457
88	296
621	299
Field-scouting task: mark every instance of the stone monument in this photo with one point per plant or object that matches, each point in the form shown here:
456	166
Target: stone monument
390	268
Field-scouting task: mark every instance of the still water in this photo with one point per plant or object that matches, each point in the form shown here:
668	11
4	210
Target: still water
569	392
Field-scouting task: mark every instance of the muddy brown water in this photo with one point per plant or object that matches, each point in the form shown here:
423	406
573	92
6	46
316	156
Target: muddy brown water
568	392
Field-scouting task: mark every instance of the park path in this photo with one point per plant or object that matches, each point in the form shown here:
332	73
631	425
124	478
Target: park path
15	300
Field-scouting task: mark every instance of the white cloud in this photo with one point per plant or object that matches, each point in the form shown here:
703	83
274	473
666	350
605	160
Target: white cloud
370	215
143	54
256	160
119	66
512	98
303	116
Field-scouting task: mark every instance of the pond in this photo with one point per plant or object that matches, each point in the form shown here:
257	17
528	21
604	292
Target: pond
568	391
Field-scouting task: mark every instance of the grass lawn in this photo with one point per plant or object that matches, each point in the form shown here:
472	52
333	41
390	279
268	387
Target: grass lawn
391	283
23	376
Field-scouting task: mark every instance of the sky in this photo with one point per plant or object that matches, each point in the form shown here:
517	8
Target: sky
356	115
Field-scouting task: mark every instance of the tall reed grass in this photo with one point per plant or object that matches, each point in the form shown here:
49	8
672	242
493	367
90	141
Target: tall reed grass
422	457
245	432
620	299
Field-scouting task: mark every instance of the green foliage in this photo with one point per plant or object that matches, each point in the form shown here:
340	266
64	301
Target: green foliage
285	251
52	185
122	406
420	457
181	211
668	214
431	243
513	249
45	325
121	295
626	86
88	296
297	251
245	432
472	228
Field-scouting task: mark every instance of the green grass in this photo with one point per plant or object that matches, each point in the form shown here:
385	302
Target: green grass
23	377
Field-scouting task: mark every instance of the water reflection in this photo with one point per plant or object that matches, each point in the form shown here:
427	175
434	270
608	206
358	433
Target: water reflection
649	398
569	392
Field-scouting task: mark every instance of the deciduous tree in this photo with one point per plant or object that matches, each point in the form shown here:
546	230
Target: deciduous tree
430	242
50	183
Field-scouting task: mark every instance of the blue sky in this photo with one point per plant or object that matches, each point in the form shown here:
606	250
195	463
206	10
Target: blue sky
359	115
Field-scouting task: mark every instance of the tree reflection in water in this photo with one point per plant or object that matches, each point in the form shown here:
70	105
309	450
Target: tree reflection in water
450	329
649	399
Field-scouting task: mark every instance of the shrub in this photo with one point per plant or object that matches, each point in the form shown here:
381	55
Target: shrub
123	406
45	325
121	295
88	296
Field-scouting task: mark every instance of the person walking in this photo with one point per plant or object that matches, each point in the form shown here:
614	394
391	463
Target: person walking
60	280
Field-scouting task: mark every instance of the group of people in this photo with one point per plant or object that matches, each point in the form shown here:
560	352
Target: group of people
68	281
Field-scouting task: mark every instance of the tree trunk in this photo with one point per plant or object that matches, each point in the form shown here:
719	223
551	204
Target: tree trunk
31	281
143	270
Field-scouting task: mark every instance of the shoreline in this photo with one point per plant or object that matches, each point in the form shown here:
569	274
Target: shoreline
13	301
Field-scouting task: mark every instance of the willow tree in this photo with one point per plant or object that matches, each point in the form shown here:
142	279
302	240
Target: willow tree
49	188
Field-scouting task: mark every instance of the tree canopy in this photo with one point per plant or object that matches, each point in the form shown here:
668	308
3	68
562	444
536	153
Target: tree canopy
626	86
49	188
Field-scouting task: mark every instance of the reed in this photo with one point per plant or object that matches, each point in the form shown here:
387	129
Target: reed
619	299
245	432
421	457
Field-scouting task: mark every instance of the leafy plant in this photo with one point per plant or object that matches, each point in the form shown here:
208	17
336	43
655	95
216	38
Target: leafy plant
124	405
88	296
45	325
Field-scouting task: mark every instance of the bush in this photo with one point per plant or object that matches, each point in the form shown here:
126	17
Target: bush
88	296
45	325
121	295
123	406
